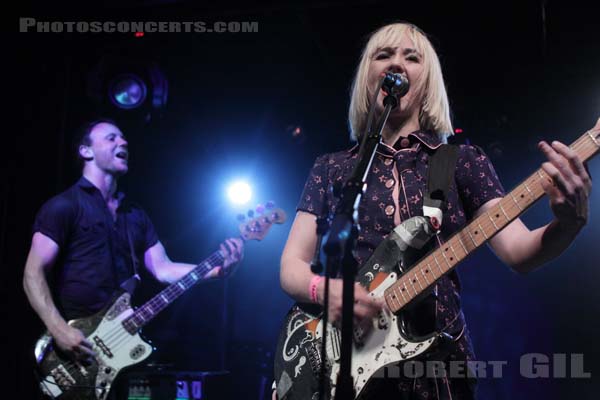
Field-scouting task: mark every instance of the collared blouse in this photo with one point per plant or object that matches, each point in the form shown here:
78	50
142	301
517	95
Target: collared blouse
395	188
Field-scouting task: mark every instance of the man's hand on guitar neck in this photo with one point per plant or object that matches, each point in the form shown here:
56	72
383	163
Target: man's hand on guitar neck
233	252
158	263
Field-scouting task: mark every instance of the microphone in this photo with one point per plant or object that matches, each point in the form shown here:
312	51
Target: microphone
395	84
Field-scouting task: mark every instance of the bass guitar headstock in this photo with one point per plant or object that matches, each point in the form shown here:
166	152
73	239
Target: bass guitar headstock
260	221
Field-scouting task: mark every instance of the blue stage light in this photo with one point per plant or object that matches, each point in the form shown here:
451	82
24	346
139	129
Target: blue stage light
127	91
239	192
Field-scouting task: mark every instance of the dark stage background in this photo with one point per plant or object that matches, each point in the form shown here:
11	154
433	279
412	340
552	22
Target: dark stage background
516	72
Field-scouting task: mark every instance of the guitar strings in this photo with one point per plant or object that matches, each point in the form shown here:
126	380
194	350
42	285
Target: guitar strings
119	334
580	146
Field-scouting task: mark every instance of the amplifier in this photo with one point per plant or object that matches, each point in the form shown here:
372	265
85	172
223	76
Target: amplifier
167	384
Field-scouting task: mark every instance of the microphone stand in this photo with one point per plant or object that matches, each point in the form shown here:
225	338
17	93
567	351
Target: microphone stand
341	241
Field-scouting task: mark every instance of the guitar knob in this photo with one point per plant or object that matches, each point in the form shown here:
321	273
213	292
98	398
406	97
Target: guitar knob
103	384
107	370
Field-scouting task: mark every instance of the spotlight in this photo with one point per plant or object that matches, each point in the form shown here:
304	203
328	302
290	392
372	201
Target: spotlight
132	86
239	192
127	91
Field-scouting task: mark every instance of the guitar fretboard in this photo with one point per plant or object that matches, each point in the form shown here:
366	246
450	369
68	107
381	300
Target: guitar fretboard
441	261
145	313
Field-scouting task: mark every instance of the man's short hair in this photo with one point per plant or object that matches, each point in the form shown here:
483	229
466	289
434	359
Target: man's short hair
82	135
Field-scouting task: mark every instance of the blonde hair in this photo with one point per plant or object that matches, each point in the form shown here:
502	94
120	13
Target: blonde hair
434	114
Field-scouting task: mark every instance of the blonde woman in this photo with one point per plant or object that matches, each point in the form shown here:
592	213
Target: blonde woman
396	183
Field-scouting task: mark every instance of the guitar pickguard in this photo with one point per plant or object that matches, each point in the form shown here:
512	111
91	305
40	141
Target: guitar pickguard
115	347
380	344
384	345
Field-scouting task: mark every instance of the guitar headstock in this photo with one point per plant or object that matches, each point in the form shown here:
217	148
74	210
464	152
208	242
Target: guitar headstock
257	227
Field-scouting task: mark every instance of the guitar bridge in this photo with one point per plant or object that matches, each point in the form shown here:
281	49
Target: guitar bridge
62	377
313	352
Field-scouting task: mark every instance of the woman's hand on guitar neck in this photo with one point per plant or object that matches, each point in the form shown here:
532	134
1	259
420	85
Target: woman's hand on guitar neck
72	341
571	185
365	306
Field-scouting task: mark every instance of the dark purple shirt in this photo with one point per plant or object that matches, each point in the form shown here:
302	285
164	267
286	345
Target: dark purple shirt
95	256
475	183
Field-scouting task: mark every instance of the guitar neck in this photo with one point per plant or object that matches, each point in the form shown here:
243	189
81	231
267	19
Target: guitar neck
253	229
460	245
150	309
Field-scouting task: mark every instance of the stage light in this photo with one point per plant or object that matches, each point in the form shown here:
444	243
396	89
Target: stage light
128	86
127	91
239	192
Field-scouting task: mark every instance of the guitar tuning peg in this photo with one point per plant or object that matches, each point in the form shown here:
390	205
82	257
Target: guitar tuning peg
251	213
260	208
270	204
241	217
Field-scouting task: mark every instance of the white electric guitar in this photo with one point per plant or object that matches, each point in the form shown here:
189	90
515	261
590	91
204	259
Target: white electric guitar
114	331
298	359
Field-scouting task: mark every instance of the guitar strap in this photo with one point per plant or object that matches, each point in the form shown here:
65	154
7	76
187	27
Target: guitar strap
130	284
442	164
421	315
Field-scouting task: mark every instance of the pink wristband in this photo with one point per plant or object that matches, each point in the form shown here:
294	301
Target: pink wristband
312	287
